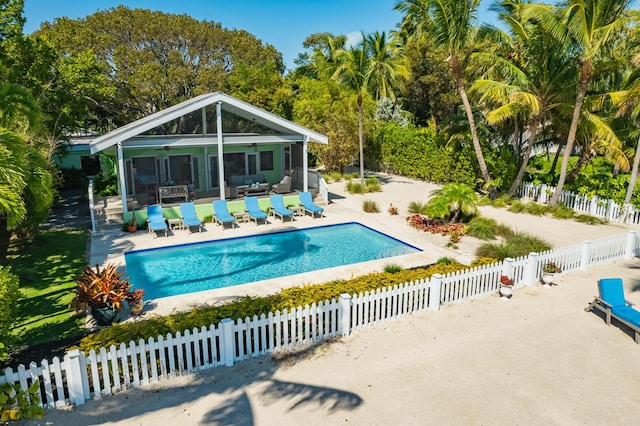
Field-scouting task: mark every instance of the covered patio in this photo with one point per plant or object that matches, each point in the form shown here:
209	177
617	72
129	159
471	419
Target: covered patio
213	146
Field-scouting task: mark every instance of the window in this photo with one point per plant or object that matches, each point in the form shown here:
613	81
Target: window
266	161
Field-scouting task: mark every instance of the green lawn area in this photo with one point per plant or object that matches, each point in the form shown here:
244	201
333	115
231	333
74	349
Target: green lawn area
46	267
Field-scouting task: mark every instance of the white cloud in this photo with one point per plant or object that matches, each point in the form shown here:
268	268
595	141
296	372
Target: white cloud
353	38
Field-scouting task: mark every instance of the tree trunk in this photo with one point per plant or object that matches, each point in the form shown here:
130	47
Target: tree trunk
584	159
585	75
552	171
361	137
634	174
533	129
457	74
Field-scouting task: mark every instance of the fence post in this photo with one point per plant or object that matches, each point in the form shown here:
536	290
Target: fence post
507	267
75	377
228	342
584	258
344	314
542	198
630	249
530	269
434	292
593	210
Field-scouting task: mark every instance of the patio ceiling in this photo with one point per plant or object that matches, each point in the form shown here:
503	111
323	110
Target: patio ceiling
129	135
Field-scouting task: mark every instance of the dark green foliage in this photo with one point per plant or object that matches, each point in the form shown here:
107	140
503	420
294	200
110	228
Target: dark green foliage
16	403
372	184
422	154
498	251
9	294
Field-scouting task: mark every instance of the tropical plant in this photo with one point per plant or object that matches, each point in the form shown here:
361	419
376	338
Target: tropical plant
392	268
587	28
355	188
370	206
100	288
375	66
451	24
372	184
551	268
451	201
392	210
17	403
483	228
9	294
417	207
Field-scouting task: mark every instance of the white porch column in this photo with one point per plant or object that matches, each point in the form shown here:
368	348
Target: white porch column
221	181
123	186
207	183
305	164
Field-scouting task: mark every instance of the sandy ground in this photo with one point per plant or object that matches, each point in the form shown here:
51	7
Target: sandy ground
538	358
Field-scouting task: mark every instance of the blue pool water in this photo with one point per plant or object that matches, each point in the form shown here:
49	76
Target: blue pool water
195	267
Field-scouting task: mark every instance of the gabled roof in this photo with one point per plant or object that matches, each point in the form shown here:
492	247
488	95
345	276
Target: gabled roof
228	103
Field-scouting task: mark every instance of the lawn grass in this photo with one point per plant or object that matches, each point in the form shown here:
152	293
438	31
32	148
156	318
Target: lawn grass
47	267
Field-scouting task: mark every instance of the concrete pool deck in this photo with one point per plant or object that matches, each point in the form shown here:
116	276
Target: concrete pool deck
110	245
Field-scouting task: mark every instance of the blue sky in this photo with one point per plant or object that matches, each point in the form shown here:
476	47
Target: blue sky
282	23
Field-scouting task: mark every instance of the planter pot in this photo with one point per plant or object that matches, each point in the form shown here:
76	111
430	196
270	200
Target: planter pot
132	228
506	291
105	316
547	278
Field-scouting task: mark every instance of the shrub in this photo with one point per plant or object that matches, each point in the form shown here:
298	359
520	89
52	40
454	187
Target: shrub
355	188
591	220
16	403
483	228
333	176
518	244
504	231
370	206
452	200
393	211
9	294
537	209
563	212
497	251
392	268
417	207
517	206
372	184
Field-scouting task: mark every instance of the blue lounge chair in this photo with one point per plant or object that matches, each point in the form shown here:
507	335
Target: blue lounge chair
278	208
613	304
156	219
308	205
221	214
252	208
189	217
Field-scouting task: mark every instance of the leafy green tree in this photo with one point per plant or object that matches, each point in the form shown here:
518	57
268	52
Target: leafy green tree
374	66
586	27
9	294
451	201
151	60
451	24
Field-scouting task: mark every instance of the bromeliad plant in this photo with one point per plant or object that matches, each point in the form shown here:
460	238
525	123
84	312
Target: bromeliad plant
100	288
551	268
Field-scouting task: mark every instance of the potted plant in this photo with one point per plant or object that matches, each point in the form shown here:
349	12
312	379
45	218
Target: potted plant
132	225
506	287
102	290
549	269
134	298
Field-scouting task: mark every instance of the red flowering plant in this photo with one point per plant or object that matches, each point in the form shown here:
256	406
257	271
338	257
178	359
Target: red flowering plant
506	281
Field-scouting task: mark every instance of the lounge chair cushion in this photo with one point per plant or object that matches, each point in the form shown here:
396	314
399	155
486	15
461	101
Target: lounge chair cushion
612	291
221	212
627	313
251	205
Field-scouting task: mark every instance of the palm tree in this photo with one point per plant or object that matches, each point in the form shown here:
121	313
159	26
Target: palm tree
451	24
375	66
587	27
452	200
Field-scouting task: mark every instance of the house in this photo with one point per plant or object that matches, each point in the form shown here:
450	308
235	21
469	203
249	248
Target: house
211	144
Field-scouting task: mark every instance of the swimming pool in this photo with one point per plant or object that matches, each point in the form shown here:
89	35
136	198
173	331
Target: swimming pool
188	268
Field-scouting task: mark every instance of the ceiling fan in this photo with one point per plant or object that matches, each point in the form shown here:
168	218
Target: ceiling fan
164	148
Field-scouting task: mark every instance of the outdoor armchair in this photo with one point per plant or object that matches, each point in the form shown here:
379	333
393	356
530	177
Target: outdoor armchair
613	304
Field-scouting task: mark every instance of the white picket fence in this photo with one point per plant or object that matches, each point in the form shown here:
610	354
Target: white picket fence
79	377
594	206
